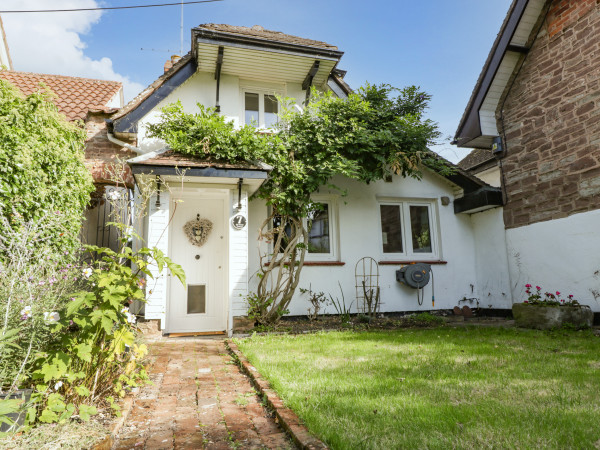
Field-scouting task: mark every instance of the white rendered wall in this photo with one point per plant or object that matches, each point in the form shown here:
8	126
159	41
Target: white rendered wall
156	289
558	255
201	88
358	233
491	262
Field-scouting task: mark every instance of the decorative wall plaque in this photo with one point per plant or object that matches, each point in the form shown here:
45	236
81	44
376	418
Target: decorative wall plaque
238	222
198	230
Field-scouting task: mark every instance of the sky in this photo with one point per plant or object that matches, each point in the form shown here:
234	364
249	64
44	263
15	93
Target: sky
439	45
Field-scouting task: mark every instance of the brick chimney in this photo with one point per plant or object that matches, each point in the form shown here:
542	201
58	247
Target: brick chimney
170	62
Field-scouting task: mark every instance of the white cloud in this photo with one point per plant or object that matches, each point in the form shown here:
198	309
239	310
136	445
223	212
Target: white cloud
52	43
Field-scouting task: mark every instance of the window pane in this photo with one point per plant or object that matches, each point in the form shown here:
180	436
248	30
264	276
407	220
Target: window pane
420	230
391	228
271	110
277	228
251	108
318	234
196	299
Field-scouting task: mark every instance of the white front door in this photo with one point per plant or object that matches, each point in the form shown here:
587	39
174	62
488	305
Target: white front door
201	305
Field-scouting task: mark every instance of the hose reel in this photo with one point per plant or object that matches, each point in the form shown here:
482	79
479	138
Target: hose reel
417	276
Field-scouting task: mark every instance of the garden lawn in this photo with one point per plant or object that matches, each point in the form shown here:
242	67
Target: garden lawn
438	388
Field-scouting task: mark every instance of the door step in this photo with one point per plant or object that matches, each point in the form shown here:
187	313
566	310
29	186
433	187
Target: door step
198	333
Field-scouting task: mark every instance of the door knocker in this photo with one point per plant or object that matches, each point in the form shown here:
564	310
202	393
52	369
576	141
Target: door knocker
197	230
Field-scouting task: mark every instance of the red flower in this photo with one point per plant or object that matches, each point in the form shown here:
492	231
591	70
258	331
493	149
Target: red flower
571	296
538	288
557	293
527	285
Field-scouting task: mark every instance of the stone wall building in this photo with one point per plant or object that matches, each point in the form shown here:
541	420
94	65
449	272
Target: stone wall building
536	107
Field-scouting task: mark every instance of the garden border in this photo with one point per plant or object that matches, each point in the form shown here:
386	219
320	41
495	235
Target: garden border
108	441
287	418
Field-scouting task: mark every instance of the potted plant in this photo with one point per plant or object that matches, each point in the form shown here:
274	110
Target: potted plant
550	310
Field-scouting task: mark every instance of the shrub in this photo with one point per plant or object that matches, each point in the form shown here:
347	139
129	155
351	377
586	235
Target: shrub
41	166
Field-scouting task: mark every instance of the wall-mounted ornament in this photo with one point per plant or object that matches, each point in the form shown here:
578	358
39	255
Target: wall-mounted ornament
238	222
198	230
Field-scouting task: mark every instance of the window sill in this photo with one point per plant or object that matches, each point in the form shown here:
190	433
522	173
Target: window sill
403	263
319	263
324	263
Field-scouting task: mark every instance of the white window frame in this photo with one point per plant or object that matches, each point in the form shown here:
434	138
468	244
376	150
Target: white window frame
408	254
261	104
333	254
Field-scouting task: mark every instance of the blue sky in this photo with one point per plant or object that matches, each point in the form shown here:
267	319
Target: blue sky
438	45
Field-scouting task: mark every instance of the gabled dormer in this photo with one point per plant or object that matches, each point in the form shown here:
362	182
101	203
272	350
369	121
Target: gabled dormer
240	71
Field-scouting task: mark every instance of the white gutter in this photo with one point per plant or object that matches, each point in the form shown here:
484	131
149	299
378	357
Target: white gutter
114	140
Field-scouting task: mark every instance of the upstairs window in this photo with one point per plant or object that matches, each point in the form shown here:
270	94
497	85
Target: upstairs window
260	109
408	229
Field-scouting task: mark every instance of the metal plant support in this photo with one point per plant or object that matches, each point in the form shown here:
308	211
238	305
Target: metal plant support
366	274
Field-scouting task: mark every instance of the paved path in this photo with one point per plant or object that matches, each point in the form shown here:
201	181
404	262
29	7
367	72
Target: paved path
199	399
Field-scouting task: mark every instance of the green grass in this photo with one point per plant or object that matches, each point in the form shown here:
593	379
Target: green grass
439	388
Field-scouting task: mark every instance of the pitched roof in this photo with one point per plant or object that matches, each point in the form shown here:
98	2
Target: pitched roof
139	99
75	96
258	31
517	33
476	158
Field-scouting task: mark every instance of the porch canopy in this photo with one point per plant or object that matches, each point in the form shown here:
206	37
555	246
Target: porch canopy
172	166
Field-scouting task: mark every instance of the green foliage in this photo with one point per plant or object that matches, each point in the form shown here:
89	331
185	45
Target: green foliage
41	165
340	306
374	132
95	354
208	134
35	281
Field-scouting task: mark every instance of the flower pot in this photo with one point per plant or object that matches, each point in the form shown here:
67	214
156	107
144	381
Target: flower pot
547	317
19	417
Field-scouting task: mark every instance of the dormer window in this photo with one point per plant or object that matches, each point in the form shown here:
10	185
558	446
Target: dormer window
260	109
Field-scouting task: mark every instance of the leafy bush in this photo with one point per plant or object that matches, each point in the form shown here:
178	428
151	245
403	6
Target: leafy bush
96	357
35	281
41	166
75	350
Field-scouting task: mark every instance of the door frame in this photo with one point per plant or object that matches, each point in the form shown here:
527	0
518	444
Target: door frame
192	193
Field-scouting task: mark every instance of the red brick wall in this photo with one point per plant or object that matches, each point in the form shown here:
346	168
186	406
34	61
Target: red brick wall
564	13
101	154
551	120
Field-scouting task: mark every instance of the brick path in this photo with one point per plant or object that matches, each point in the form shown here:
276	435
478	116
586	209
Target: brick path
199	400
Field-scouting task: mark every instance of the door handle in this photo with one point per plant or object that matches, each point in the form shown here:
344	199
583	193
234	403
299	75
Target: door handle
197	256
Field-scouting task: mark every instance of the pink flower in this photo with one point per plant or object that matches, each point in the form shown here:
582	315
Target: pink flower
527	285
538	288
557	293
570	296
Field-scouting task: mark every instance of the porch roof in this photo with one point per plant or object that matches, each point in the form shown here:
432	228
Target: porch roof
171	163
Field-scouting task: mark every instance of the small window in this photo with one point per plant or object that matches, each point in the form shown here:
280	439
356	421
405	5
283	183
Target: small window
407	229
260	110
420	229
271	111
318	231
321	227
391	228
196	299
251	109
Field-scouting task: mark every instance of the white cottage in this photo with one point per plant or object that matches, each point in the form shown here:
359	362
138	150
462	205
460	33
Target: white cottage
240	71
